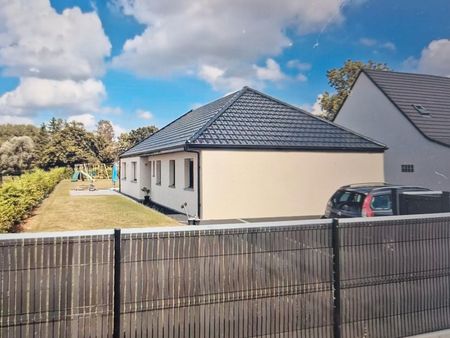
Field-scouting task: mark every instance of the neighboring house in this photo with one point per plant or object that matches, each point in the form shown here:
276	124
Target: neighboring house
248	155
410	113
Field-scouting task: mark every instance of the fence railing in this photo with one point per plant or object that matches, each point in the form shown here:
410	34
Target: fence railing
380	277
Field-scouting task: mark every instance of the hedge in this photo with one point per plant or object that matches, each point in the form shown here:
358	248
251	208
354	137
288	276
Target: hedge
20	196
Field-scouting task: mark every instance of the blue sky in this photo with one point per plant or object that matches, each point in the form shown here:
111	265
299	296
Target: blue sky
138	62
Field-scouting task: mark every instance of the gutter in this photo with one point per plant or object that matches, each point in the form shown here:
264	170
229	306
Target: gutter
199	205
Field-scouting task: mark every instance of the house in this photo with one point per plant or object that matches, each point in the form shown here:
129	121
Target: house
410	113
248	155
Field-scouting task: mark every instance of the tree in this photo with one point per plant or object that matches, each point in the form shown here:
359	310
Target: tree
16	155
55	125
341	79
70	145
128	140
105	130
105	142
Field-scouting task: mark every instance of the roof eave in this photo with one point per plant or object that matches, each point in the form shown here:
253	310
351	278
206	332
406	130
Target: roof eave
286	148
176	148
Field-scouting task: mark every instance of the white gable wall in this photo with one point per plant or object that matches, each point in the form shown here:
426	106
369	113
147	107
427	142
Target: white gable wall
369	112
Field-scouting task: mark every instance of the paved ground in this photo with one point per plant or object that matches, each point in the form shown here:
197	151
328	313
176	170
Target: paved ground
103	192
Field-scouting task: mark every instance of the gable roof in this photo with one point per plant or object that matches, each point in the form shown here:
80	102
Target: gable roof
248	119
407	89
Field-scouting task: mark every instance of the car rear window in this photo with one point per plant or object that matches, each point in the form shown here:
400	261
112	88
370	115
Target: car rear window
381	202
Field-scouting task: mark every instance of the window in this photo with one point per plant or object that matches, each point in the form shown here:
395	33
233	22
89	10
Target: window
189	173
421	109
133	172
407	168
158	172
172	173
381	202
348	200
124	171
153	165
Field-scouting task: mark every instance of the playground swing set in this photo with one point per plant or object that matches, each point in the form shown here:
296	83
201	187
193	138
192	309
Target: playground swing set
89	172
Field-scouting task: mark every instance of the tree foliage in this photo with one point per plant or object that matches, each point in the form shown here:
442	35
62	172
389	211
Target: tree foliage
341	79
70	145
127	140
105	142
7	131
16	155
18	197
59	143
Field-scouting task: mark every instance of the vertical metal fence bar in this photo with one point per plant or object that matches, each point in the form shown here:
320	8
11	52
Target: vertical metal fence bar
116	316
336	279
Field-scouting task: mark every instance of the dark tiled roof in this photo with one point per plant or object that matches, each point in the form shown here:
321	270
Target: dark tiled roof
432	92
250	119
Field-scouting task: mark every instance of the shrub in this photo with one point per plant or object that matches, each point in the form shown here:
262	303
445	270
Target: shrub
20	196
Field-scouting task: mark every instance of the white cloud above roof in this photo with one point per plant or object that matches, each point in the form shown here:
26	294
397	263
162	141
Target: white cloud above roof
435	58
219	40
37	41
34	94
57	56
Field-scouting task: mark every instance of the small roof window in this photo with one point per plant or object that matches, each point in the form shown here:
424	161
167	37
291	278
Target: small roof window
421	109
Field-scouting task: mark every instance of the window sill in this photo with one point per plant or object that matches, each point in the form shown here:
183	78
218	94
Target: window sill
188	189
133	181
172	186
159	184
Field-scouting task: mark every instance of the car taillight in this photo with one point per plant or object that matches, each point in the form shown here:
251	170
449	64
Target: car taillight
366	209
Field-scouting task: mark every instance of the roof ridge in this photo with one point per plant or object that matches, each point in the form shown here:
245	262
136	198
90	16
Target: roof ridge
317	117
232	100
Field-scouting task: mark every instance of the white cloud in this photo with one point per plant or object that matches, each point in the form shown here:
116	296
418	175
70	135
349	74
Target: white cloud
144	114
301	77
88	120
368	42
297	64
111	110
314	108
5	119
56	56
118	130
435	58
36	41
218	40
220	80
271	72
90	123
389	45
35	94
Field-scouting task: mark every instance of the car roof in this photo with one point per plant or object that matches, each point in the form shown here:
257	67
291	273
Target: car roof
378	186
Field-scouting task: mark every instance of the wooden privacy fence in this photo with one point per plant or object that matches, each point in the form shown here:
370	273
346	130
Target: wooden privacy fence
381	277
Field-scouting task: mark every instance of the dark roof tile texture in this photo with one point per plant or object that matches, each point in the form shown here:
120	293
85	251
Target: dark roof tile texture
430	91
250	119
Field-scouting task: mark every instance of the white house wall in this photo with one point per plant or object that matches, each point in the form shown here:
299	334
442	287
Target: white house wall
368	111
253	184
170	197
127	185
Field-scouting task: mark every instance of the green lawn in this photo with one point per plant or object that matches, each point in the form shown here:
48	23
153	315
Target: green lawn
61	212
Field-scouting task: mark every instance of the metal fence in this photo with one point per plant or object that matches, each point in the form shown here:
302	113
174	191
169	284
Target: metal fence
395	276
386	277
58	286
